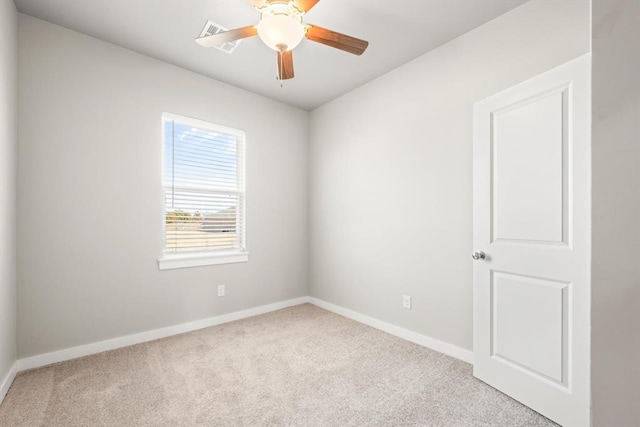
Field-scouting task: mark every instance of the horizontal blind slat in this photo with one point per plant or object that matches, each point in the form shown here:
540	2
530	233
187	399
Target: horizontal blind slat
211	151
194	179
202	163
201	190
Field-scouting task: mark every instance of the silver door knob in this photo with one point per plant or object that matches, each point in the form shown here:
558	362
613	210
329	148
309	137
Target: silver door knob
478	255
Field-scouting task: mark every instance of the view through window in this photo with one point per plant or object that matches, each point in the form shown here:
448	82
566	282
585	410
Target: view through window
203	186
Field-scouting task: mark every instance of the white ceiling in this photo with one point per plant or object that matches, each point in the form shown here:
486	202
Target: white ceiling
397	30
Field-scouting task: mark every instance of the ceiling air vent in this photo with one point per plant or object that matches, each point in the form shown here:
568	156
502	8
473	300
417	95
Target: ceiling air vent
212	28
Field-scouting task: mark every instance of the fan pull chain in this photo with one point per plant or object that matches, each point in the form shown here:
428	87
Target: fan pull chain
282	48
280	69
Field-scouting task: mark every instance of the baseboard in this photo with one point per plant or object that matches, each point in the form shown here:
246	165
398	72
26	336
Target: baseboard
414	337
7	381
112	344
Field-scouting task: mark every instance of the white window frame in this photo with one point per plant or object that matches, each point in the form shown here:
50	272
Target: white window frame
168	261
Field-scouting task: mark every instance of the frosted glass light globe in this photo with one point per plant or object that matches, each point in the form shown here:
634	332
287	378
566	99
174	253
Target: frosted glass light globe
280	32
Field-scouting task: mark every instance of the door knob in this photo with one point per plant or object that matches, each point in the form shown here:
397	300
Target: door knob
478	255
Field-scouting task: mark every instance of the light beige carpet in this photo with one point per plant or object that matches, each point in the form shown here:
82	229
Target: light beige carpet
302	366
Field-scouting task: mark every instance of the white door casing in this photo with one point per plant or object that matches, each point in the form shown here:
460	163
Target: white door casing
532	181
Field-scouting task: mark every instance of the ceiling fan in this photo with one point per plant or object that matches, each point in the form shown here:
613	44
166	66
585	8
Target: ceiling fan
281	29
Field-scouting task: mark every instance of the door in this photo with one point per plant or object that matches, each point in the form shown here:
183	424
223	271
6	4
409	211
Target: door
532	240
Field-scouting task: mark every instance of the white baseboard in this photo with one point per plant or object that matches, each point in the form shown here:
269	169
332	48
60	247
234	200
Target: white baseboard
112	344
7	381
414	337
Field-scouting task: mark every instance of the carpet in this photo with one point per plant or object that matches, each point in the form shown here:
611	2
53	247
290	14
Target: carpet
301	366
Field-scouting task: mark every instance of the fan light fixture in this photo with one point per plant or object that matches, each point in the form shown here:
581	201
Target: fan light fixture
281	27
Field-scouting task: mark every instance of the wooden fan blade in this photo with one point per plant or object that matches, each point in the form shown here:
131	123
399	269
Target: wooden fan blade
304	5
227	36
337	40
285	65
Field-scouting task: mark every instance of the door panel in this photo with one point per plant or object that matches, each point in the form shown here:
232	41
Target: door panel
535	308
531	218
527	143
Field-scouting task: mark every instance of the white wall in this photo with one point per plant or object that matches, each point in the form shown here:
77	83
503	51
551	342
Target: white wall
90	201
391	171
616	214
8	148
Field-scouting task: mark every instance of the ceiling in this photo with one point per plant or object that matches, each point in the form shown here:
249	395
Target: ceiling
397	30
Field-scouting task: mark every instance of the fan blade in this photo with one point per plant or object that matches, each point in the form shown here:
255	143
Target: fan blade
304	5
337	40
285	65
227	36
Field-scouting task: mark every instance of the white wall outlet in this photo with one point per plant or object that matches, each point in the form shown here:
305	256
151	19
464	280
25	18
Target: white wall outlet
406	302
221	290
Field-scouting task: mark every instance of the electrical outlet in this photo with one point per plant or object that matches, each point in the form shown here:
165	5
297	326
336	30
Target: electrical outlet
221	290
406	302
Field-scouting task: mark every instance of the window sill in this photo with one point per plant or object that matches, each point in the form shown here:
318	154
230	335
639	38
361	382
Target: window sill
170	262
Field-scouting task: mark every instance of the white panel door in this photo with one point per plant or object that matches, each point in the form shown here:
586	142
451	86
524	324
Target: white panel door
532	242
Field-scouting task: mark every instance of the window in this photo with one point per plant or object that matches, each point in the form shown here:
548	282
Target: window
204	199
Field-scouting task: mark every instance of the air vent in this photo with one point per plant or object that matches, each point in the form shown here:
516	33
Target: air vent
212	28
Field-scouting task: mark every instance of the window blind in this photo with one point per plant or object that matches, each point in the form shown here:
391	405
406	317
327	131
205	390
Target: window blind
203	186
